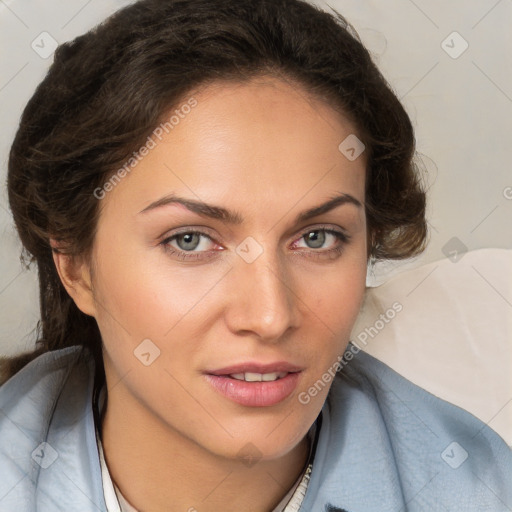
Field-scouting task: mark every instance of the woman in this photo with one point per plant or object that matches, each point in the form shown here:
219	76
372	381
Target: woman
202	185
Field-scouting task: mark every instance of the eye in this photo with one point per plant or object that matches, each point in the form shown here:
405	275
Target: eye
190	241
187	242
316	238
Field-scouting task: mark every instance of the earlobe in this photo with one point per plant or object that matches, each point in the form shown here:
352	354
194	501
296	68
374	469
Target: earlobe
75	276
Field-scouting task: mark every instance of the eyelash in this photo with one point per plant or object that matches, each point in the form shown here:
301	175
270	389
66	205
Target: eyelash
333	253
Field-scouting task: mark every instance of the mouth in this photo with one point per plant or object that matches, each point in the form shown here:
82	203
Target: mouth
255	385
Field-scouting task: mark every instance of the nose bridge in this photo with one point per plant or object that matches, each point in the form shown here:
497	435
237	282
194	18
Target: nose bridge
264	300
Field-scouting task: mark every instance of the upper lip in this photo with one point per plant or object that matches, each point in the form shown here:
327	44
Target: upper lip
253	367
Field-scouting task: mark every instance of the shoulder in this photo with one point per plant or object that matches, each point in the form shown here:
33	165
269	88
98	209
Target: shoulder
39	405
39	379
389	443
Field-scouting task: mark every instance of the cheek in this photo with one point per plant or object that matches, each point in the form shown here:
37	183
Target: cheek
142	292
337	296
335	301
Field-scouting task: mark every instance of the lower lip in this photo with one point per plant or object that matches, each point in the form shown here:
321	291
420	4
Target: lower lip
255	394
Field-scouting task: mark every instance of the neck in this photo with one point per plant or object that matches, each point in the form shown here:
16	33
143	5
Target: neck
157	468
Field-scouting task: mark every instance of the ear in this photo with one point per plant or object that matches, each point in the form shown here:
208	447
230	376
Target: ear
75	275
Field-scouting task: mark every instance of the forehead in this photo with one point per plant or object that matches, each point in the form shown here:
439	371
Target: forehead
264	140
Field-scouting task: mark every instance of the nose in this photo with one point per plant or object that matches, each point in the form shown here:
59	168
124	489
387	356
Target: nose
264	301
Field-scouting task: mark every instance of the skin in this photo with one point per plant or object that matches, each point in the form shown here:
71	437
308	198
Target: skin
267	150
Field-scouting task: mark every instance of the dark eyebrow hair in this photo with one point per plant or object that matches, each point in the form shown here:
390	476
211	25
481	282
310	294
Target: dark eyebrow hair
230	217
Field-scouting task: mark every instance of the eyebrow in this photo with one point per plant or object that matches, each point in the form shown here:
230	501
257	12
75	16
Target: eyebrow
233	217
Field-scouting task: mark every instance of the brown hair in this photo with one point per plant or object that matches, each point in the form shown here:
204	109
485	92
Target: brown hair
107	90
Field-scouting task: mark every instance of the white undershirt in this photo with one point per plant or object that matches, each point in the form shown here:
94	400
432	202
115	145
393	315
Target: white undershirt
116	502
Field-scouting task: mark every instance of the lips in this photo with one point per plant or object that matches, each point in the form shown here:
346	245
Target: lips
255	384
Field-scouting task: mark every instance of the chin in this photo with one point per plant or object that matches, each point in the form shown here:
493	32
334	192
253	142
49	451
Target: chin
267	442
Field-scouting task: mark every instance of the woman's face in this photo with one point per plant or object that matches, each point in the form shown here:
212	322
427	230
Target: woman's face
263	291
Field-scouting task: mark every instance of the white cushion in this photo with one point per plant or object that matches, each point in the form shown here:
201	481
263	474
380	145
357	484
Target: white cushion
450	331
